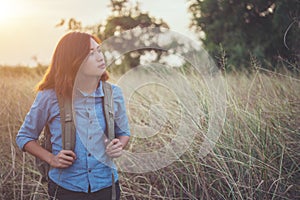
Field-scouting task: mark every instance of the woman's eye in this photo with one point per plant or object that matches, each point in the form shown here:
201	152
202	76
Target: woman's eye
98	50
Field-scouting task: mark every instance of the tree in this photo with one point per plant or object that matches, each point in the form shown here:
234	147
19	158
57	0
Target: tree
125	16
266	30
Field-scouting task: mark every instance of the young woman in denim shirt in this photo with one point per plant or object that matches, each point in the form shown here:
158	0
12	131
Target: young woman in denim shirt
78	69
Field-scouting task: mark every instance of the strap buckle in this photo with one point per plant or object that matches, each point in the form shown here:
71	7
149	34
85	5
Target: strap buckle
68	117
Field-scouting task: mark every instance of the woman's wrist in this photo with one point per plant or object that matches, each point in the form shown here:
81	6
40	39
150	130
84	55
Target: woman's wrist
49	158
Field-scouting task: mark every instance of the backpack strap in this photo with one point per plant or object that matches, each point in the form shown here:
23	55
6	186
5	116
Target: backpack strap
67	122
108	107
68	134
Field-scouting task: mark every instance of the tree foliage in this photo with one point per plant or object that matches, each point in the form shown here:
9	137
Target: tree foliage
266	30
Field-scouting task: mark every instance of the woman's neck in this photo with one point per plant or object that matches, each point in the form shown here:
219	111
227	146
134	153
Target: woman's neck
87	84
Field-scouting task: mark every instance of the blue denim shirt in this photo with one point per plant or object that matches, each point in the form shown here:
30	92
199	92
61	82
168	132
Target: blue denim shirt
92	166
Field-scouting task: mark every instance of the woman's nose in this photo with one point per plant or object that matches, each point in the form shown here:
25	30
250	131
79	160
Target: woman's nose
100	56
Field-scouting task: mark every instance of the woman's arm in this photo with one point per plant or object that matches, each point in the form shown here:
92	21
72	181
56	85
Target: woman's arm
31	128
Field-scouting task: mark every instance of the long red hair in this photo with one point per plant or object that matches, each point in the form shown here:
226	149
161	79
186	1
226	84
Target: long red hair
68	56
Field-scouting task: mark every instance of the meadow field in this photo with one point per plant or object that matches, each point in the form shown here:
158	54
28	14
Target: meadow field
256	157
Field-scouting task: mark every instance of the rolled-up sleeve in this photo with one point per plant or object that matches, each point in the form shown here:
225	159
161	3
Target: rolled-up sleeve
34	122
121	119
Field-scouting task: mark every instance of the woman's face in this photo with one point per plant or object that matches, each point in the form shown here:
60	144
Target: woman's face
94	65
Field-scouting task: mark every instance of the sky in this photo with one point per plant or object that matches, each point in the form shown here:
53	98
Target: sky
27	27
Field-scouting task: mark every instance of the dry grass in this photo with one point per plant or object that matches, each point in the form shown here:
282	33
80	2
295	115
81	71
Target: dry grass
256	157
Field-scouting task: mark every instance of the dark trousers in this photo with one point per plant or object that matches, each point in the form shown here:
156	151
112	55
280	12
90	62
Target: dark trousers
58	193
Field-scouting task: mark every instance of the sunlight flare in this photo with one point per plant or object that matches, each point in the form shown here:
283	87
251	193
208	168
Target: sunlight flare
8	9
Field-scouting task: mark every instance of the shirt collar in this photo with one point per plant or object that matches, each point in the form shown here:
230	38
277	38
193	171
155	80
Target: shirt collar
97	93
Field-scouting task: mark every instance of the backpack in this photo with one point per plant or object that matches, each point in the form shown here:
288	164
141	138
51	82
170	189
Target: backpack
69	130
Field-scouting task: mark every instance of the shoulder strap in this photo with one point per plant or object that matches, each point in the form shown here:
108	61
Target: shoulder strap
67	122
108	106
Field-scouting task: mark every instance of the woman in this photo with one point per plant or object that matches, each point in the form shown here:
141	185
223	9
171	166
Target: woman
77	69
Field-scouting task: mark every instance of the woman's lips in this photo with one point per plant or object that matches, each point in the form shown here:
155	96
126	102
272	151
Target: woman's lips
102	66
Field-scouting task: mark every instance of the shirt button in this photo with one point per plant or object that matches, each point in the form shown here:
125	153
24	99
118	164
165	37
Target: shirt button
90	137
91	121
89	109
89	170
89	154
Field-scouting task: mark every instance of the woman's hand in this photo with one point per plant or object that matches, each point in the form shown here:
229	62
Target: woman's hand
64	159
114	148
